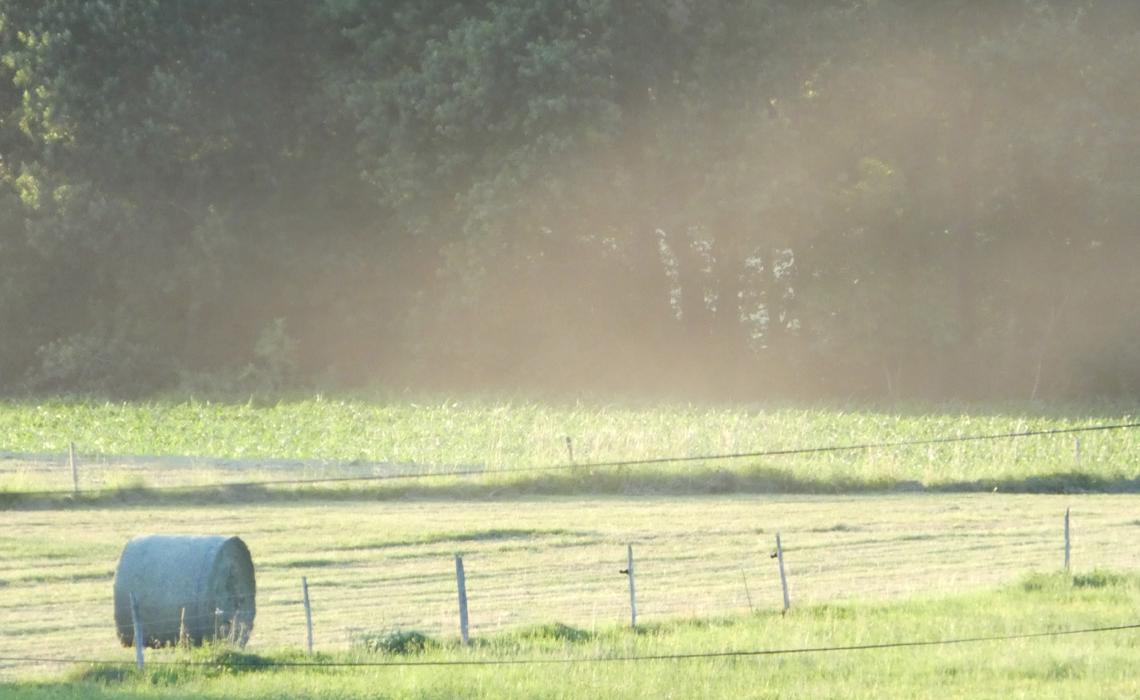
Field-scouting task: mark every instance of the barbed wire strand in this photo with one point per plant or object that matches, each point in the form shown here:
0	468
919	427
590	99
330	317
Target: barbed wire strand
269	663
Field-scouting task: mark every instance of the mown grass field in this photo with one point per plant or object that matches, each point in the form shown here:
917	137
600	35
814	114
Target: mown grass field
203	443
1100	665
376	567
880	544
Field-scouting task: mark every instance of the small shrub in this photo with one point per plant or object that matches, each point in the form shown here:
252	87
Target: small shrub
1037	582
103	674
398	642
555	631
100	363
234	661
1098	579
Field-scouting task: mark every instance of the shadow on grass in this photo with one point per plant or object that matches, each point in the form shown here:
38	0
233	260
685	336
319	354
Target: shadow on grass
614	482
493	534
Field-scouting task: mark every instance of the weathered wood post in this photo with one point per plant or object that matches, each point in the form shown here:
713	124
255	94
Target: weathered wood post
136	620
461	582
74	468
308	614
183	637
783	576
632	587
747	593
1066	540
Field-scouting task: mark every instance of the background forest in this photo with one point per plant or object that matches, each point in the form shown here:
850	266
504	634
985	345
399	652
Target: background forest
729	198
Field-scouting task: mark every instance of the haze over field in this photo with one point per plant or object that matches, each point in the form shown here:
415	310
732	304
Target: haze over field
743	198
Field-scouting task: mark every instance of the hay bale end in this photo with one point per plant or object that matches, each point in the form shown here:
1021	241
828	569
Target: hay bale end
210	577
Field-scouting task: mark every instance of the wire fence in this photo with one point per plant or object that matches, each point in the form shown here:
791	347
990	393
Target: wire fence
866	551
236	663
102	474
545	567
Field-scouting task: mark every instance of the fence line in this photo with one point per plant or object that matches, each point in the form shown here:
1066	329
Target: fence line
435	472
683	656
653	599
666	587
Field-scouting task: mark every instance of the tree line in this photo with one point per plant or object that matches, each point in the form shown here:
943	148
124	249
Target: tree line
747	198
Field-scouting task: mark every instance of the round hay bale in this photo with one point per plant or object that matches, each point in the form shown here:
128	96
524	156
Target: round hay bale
209	577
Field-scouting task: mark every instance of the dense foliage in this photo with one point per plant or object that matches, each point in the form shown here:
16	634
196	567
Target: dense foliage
888	198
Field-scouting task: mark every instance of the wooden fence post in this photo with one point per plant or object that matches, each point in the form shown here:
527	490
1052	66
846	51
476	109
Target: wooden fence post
632	587
1066	540
308	614
747	593
136	620
461	582
183	637
74	468
783	577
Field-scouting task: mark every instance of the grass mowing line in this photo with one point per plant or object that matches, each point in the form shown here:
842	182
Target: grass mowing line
717	482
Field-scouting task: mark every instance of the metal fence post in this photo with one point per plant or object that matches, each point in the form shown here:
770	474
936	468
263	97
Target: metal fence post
461	582
308	613
783	576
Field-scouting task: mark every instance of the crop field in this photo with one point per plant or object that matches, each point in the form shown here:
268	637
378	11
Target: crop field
134	446
867	561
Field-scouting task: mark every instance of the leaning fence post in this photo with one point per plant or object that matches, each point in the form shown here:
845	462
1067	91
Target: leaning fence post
461	583
632	587
783	577
747	593
136	620
308	614
183	637
74	468
1066	540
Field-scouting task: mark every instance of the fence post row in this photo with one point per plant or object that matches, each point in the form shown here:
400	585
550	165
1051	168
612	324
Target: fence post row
461	583
461	580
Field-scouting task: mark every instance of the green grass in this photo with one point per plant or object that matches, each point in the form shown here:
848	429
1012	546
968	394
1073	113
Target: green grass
378	568
1085	665
320	438
888	545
